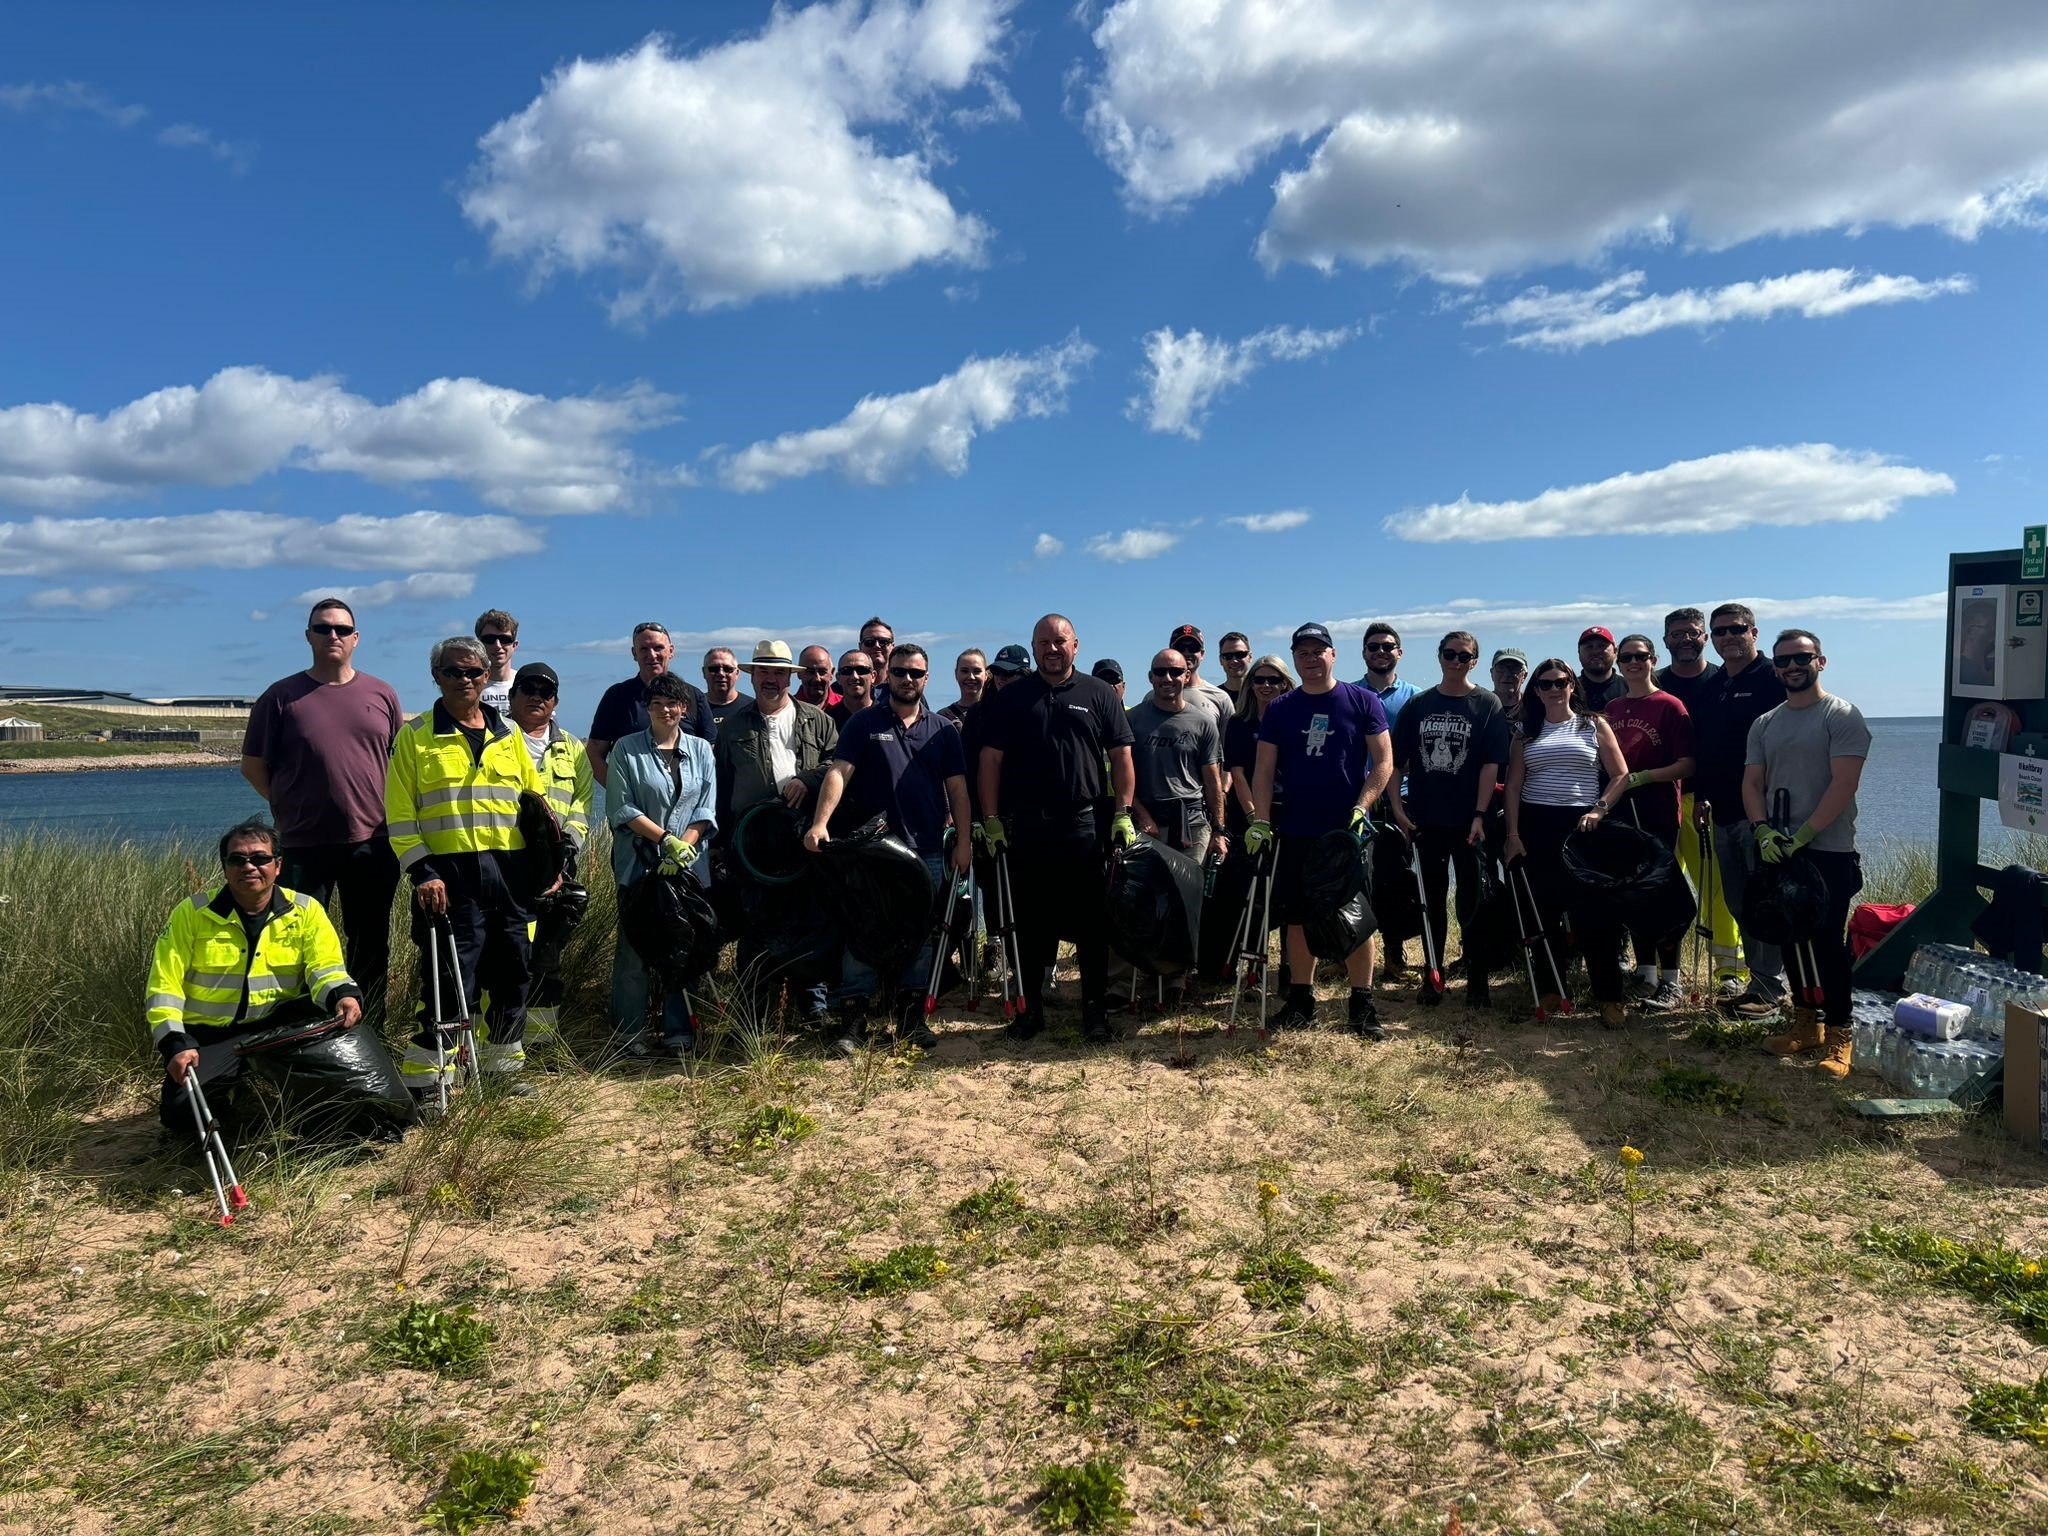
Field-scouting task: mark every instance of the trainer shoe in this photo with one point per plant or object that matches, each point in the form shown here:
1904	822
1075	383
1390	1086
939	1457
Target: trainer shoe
1640	988
1754	1007
1666	999
679	1047
1363	1015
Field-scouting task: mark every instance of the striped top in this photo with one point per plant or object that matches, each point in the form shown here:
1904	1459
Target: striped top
1561	764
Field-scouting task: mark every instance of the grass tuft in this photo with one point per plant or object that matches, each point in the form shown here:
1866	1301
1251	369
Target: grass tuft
454	1342
2012	1281
1088	1497
909	1268
483	1487
2010	1412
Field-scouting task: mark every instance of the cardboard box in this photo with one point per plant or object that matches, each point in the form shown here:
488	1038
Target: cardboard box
2026	1056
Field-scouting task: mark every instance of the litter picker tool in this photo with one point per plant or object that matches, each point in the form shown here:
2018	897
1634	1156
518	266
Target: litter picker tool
440	935
1254	930
227	1186
1703	925
1534	937
1430	960
1005	933
1804	969
942	935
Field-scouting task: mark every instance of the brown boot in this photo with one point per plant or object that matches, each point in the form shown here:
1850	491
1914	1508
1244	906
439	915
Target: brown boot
1805	1035
1840	1045
1613	1016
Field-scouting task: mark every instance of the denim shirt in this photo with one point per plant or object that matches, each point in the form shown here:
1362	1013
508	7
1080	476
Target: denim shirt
637	783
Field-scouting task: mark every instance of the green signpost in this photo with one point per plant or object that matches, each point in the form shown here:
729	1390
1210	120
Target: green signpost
2034	553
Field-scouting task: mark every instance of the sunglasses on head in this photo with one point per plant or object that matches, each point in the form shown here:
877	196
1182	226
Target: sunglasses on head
1634	656
906	671
1267	681
1464	656
1552	684
1730	631
470	674
498	639
1237	655
252	860
339	631
1795	659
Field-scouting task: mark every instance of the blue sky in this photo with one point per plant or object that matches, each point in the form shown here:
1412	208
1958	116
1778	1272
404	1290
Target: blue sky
759	323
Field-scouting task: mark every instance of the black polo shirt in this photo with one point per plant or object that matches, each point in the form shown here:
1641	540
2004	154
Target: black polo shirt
1055	740
623	710
1720	731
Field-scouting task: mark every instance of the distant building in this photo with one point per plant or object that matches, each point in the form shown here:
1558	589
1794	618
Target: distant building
224	704
155	733
14	728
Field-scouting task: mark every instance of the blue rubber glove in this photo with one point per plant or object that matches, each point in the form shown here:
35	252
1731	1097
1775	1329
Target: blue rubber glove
1122	830
1258	837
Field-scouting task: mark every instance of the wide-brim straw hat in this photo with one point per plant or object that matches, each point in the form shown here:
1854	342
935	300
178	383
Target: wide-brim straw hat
770	653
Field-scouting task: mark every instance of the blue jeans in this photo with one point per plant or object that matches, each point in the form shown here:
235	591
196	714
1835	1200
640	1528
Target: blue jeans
630	984
859	981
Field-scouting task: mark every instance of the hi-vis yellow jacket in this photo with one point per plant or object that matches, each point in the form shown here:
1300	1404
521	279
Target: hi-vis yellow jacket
566	768
204	971
441	798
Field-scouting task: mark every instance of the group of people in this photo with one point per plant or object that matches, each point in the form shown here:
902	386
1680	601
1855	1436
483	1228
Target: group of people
1037	761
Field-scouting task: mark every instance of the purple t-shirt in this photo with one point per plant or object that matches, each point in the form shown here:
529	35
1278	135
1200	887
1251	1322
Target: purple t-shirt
326	746
1324	754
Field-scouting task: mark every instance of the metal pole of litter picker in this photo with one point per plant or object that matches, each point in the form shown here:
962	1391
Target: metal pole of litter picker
215	1151
1430	958
941	937
439	1018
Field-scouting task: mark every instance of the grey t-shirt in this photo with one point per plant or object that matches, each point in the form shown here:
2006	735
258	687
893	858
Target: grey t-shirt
1204	692
1171	750
1794	747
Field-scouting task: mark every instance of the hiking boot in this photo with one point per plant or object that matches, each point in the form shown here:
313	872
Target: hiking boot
1095	1026
1835	1053
1478	994
1029	1023
1430	996
1554	1003
1803	1037
850	1032
1362	1014
1614	1015
911	1028
1291	1017
1666	999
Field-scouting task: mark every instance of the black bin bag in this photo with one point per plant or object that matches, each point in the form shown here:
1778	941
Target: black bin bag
670	924
334	1079
1155	907
1784	903
1396	906
1624	876
1336	895
878	895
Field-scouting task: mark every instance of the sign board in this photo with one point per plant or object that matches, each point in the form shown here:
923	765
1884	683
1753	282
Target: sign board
2026	613
2022	792
2034	553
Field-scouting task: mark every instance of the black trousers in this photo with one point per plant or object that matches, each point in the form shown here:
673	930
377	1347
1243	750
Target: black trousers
1832	960
1543	829
1060	882
488	915
1443	851
364	876
221	1072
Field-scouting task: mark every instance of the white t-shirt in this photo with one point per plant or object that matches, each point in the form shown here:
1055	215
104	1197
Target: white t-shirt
499	696
782	744
536	746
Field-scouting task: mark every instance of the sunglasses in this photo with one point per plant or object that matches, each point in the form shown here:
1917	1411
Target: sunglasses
1552	684
722	670
917	672
1459	656
498	639
338	631
1729	631
1269	682
251	860
535	690
1237	655
1159	673
470	674
1635	656
1795	659
1382	647
856	671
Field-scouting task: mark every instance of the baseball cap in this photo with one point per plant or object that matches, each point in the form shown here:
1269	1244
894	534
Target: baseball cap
1011	660
1511	654
1597	631
536	672
1310	634
1186	632
1108	670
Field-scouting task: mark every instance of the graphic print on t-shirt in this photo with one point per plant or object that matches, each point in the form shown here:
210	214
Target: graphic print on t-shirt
1318	733
1445	741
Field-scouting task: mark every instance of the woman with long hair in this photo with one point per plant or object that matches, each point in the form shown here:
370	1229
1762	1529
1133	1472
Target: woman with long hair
1555	775
1654	732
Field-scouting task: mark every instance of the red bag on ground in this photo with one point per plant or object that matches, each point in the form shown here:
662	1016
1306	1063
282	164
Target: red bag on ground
1870	923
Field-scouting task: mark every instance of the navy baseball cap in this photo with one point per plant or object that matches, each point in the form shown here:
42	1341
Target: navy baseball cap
1011	660
1109	670
1310	634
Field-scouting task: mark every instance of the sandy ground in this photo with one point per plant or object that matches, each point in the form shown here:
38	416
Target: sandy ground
135	760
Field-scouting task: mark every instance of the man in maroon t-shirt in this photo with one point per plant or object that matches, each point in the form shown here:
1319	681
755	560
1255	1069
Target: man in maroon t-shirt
316	749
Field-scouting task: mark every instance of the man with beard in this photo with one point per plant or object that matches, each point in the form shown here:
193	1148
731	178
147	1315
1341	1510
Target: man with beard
1812	748
1599	683
1234	650
1050	736
1382	648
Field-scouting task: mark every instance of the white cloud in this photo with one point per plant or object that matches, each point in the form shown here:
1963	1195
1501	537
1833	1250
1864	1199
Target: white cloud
1619	310
1132	544
420	587
1046	546
884	438
746	169
527	452
1750	487
240	541
1499	623
61	97
1270	522
82	599
1184	374
1467	138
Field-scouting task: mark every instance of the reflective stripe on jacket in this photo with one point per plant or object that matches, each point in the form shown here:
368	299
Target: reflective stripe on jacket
566	768
203	970
439	797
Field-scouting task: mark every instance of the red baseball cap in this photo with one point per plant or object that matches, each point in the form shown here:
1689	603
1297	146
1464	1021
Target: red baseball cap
1597	632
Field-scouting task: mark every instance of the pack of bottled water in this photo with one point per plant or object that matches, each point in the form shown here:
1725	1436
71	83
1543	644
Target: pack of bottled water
1984	985
1915	1066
